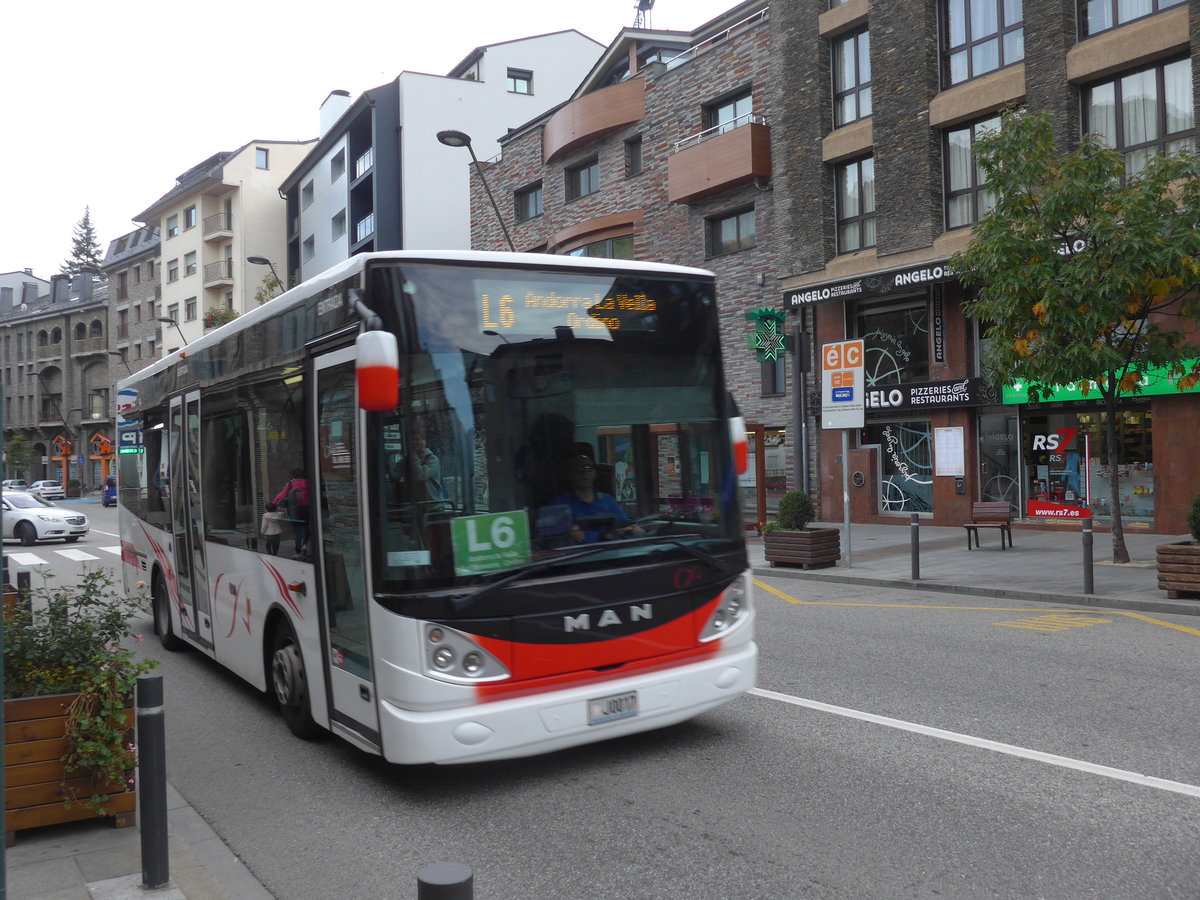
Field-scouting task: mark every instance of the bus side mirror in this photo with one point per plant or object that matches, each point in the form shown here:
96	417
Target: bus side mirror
377	371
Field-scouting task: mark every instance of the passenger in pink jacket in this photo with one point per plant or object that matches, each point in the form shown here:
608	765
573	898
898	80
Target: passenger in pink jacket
294	498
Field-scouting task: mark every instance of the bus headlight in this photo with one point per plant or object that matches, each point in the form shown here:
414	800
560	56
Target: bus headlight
732	609
454	656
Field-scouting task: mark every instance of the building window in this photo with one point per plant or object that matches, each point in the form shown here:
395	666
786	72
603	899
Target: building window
633	156
172	226
122	323
150	269
528	202
309	248
981	36
262	156
613	248
583	179
967	196
189	263
306	196
189	218
173	270
137	274
173	312
189	309
337	226
856	205
1144	113
1101	15
895	341
730	233
337	166
852	78
519	81
727	114
122	285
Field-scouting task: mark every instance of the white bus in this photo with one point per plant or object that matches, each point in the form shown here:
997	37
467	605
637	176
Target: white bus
516	532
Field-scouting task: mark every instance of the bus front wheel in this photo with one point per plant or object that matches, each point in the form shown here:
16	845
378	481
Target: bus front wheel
161	605
289	681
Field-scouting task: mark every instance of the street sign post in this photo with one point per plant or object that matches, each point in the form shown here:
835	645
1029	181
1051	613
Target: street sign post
843	405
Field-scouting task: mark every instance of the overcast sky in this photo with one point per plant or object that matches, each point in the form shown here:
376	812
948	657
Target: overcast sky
105	104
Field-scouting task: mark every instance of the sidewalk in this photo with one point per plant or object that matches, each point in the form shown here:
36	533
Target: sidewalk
94	861
1044	566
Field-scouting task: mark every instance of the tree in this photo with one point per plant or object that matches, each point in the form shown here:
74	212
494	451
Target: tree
270	287
18	456
1087	274
85	256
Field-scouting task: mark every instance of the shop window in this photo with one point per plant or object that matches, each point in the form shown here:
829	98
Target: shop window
905	464
896	341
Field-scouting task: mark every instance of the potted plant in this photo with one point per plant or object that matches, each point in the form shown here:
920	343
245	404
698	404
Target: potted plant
74	487
68	704
788	541
1179	562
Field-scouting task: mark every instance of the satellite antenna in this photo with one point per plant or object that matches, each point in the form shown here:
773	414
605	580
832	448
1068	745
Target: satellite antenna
642	19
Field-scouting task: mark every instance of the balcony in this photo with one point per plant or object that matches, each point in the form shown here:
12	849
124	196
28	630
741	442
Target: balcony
364	163
218	227
592	116
218	273
724	157
364	228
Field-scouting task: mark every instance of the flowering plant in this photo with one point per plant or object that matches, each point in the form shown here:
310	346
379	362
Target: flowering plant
69	640
218	316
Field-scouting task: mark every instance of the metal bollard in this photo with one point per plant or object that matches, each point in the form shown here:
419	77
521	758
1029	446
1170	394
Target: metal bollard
152	787
1089	585
915	532
446	881
25	589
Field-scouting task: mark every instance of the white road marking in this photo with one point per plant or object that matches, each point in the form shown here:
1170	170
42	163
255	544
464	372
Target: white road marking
1066	762
25	559
115	550
77	555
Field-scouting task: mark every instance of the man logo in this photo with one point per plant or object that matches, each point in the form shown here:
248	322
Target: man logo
608	618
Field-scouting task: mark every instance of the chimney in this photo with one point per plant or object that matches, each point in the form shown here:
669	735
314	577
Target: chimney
81	287
332	109
29	292
29	271
60	288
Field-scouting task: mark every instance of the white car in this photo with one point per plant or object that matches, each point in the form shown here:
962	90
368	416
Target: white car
48	490
16	484
30	519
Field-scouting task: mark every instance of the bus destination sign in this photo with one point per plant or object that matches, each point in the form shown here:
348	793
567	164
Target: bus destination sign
535	312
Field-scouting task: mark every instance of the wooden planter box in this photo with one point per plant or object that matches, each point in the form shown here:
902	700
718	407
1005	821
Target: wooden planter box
1179	569
35	784
810	549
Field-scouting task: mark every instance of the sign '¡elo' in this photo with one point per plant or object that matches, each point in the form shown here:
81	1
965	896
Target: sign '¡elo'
843	391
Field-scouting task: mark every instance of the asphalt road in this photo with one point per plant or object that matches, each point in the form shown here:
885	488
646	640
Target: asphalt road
770	796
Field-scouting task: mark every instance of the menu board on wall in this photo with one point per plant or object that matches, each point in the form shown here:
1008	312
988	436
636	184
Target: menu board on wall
948	458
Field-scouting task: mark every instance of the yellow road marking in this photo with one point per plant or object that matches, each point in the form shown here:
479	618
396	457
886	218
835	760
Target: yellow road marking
1132	615
1056	622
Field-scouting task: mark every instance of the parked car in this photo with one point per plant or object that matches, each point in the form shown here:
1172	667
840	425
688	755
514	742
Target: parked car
109	497
29	519
16	484
48	490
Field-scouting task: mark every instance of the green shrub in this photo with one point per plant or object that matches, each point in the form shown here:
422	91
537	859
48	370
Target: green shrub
795	512
1194	519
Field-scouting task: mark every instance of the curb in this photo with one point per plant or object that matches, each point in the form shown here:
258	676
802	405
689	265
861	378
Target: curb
1175	607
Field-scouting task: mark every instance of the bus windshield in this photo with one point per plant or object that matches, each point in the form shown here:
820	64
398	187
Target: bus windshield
544	412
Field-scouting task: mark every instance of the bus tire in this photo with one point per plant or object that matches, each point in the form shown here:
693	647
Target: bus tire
289	683
160	605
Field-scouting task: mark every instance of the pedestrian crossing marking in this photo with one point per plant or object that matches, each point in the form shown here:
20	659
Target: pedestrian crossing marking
1052	622
24	560
77	555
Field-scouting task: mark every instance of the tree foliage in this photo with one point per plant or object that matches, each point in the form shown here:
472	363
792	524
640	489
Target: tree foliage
85	255
1086	274
18	456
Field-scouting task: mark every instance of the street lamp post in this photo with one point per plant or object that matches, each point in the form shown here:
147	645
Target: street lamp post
167	320
121	356
460	139
263	261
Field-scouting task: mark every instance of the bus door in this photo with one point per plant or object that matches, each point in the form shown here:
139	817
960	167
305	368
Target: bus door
338	533
187	518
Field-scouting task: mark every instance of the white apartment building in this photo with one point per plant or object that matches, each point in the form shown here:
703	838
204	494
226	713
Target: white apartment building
219	212
379	179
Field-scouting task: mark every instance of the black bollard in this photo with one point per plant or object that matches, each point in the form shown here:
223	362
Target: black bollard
1089	585
25	590
152	787
446	881
915	531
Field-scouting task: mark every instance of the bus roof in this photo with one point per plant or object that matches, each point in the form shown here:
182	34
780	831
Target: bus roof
348	267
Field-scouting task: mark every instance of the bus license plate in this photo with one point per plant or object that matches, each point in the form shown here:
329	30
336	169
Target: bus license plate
612	707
